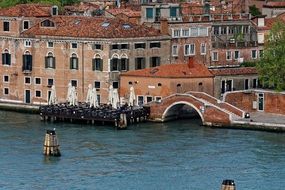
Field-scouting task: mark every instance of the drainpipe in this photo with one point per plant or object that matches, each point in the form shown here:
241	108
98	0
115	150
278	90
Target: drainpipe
82	52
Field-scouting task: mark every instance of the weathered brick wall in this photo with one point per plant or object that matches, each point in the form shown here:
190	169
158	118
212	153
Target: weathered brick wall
215	116
241	100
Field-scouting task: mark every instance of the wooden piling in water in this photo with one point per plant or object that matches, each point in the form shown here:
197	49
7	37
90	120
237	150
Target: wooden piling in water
228	184
51	146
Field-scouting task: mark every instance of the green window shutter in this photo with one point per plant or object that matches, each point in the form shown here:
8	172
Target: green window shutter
101	64
24	62
119	66
70	63
9	59
53	60
3	59
127	64
143	63
111	64
31	62
77	61
149	13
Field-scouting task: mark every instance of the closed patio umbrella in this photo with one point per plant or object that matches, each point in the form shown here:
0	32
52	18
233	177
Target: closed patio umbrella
132	96
52	98
68	96
89	94
94	99
110	96
73	97
116	99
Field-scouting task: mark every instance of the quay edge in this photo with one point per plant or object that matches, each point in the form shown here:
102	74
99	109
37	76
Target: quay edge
18	107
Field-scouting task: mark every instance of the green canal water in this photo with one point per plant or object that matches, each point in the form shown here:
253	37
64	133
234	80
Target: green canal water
175	155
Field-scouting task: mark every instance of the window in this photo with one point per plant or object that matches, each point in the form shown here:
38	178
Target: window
50	44
27	61
6	78
124	64
139	63
254	83
97	63
158	98
203	31
173	11
73	83
216	30
115	84
6	26
174	50
28	43
26	25
154	45
114	46
6	91
154	61
140	45
194	32
253	54
74	61
203	49
149	99
114	65
246	84
54	10
236	55
50	61
50	82
228	55
176	33
47	23
149	13
185	33
74	45
98	46
97	84
38	93
226	85
6	58
224	30
27	80
140	100
189	49
124	46
215	56
38	80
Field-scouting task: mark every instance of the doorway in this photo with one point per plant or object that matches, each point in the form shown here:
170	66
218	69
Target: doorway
260	102
27	96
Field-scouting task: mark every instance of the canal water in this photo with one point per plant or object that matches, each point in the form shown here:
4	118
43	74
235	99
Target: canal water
175	155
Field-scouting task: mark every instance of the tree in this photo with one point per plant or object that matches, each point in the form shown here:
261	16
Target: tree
254	11
9	3
271	67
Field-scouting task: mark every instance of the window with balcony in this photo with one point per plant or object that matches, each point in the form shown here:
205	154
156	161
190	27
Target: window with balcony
74	61
50	61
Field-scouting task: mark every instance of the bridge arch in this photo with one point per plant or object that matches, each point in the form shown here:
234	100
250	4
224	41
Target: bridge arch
183	103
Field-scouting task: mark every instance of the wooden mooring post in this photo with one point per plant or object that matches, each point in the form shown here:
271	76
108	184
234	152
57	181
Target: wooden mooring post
228	184
51	146
122	123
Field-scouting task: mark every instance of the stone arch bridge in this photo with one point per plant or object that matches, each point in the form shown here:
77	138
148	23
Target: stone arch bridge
212	111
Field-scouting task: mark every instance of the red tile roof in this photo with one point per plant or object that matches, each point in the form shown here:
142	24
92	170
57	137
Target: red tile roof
234	71
27	10
91	27
172	71
128	12
81	7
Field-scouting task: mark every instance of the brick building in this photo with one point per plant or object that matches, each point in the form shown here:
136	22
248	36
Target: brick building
71	49
155	83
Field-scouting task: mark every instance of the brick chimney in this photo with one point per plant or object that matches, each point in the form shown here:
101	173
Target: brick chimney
191	62
164	26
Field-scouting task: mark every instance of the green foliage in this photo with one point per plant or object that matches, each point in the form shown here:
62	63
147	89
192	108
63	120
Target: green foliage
271	67
248	64
254	11
9	3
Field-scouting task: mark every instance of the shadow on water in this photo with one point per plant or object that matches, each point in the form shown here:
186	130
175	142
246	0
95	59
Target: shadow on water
49	160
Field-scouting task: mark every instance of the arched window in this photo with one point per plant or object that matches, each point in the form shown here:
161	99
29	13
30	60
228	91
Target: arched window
115	62
47	23
27	61
50	61
73	61
178	88
6	57
97	63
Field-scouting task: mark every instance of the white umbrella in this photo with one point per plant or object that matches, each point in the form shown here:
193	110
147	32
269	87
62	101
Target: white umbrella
132	97
116	99
110	96
52	98
68	97
73	97
94	100
89	94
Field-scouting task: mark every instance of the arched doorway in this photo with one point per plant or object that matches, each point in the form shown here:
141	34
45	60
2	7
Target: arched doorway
181	110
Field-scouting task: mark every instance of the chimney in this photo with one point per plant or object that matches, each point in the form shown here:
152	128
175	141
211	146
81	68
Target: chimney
191	62
164	26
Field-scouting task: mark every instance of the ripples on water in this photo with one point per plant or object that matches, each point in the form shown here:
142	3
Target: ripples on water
174	155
